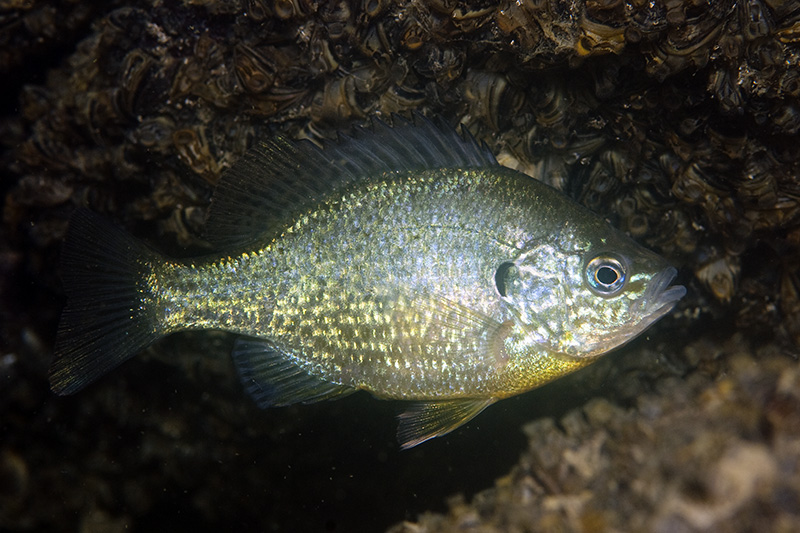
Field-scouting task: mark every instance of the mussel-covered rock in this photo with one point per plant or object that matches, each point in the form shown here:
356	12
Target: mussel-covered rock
678	120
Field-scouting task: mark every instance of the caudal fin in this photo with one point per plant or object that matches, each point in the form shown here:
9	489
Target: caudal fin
109	315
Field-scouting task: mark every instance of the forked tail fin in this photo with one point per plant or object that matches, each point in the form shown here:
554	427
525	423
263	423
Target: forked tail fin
109	316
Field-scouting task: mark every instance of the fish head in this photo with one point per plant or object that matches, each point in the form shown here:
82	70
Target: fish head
580	299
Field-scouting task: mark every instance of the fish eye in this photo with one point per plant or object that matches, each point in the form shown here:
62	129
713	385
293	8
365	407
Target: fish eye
606	275
503	277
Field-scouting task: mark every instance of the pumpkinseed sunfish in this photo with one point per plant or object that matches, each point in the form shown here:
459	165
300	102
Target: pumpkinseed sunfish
404	261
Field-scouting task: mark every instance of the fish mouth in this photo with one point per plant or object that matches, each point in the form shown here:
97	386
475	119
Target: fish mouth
659	298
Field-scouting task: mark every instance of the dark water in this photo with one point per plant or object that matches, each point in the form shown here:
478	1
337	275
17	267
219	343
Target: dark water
156	451
171	442
337	467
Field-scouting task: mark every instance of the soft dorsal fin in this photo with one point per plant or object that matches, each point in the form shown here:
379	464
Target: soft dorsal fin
278	177
273	379
426	420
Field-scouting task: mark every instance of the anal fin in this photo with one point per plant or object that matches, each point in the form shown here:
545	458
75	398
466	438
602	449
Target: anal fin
426	420
273	379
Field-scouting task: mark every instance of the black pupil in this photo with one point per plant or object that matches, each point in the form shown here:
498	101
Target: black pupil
606	275
501	278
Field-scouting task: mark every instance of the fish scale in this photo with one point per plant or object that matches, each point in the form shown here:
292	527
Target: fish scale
404	262
302	325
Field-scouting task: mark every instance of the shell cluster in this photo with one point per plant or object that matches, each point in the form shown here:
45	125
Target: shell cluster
33	30
699	463
679	120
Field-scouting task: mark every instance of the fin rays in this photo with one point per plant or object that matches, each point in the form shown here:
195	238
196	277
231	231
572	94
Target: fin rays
279	178
105	321
427	420
272	378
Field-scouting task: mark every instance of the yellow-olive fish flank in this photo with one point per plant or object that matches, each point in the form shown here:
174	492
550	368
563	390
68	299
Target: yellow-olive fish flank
403	261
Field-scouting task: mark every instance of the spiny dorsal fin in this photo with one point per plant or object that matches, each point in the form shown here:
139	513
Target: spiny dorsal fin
273	379
278	177
426	420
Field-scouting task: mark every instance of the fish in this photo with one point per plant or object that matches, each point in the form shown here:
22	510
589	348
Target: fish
400	259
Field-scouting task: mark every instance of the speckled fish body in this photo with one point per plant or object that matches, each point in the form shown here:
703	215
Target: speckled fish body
404	262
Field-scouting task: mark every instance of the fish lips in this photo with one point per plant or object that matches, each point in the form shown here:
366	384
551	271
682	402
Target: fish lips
659	298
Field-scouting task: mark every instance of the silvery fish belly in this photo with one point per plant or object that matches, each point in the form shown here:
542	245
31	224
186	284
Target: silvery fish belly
403	261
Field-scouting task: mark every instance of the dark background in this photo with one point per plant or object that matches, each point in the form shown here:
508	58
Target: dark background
678	121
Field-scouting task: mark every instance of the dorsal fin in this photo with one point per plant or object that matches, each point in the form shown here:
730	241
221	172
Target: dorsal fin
278	177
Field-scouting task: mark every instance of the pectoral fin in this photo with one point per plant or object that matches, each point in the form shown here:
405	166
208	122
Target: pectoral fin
429	326
426	420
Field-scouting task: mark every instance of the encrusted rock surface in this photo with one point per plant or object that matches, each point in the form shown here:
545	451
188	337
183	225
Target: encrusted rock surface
720	455
679	120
